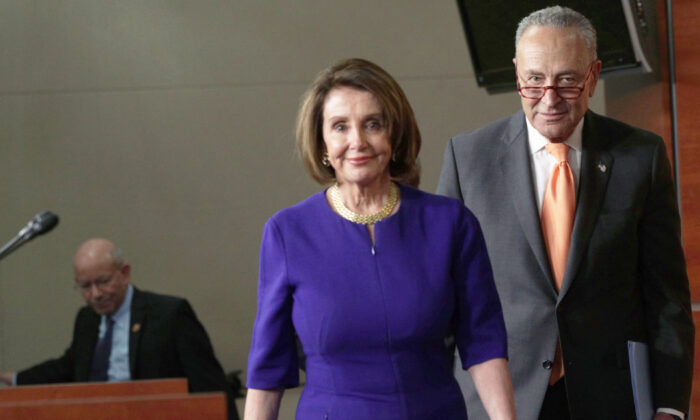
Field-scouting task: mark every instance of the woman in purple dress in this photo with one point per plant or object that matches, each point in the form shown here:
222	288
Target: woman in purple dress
372	274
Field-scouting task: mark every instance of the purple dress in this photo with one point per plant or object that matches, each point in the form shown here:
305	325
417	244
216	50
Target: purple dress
373	319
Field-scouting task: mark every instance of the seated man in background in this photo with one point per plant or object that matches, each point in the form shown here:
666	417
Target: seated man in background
125	334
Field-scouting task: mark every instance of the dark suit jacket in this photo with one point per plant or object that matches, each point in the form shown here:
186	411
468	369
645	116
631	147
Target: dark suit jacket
625	277
166	341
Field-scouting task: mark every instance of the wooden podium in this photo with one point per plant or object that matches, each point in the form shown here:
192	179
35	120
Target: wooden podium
93	389
149	399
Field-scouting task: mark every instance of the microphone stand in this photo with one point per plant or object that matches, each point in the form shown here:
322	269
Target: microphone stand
15	243
40	224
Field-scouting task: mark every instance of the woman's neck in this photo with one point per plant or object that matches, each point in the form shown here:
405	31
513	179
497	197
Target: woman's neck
365	199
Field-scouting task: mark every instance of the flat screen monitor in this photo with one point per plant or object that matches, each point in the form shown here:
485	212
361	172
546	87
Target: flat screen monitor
489	27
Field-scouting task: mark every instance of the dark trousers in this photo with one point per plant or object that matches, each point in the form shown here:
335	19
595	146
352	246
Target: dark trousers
555	406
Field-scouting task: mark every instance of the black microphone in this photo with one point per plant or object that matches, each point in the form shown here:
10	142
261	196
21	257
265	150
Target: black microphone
40	224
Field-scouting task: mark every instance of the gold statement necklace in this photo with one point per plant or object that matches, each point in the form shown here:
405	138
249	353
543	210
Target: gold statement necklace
364	219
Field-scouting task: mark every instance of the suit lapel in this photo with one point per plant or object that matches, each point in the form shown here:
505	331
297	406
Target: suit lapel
88	339
517	173
139	314
596	166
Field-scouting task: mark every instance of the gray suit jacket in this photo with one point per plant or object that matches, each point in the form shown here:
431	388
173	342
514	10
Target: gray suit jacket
625	277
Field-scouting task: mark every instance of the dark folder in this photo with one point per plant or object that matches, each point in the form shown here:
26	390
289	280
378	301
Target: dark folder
641	380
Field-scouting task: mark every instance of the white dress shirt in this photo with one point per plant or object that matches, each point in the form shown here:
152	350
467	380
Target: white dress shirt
543	163
119	357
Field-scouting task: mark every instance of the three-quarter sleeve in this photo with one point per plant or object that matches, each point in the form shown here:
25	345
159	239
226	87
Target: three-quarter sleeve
272	361
480	332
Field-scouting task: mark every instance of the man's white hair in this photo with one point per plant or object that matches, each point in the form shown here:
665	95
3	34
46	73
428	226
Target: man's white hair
560	17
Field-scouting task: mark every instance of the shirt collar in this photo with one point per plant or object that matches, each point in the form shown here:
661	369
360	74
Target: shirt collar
537	141
125	307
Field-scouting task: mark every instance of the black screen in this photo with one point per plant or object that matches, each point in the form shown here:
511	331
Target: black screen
490	27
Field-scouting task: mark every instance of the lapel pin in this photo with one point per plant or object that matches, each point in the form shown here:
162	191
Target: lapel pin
602	167
136	327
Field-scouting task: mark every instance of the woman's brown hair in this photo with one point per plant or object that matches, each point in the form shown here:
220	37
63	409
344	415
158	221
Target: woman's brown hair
398	116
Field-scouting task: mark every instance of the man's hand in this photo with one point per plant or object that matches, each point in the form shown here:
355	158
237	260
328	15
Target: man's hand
6	378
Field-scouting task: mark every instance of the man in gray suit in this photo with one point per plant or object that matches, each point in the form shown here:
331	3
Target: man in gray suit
623	276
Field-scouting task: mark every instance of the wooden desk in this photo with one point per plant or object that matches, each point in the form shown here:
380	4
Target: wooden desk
93	389
202	406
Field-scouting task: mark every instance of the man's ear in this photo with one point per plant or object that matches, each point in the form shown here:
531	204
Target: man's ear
126	270
595	75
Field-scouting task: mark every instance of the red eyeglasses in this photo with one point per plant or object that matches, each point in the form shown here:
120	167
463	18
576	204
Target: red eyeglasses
564	92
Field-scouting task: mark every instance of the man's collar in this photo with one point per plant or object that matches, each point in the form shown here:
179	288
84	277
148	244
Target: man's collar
537	141
125	307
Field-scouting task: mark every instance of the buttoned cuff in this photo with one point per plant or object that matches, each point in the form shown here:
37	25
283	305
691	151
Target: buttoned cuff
671	411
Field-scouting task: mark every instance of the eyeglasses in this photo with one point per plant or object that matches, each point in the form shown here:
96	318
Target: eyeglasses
100	283
564	92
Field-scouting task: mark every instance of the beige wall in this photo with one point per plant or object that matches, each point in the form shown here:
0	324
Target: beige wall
167	126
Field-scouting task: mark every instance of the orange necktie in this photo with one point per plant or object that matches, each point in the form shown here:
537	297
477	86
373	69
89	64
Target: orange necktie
558	209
